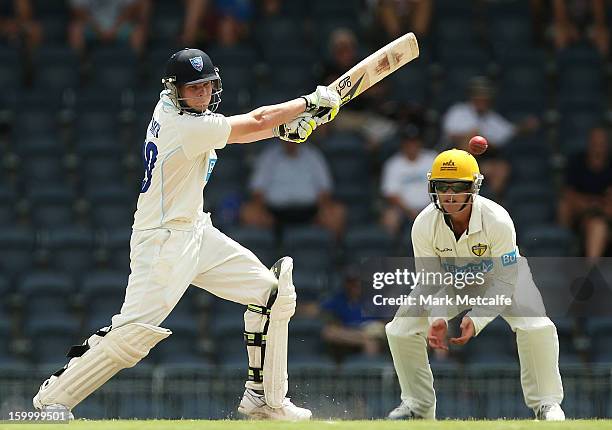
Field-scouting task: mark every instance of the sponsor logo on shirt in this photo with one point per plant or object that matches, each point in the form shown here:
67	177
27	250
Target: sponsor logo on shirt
211	166
483	266
443	249
509	258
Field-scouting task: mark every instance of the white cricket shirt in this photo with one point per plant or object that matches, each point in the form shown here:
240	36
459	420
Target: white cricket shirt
179	156
488	245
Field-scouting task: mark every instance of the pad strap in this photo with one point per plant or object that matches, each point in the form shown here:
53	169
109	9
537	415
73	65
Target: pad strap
255	374
254	339
263	310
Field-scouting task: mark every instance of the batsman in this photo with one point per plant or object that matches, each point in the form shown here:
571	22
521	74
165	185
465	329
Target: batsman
174	243
461	231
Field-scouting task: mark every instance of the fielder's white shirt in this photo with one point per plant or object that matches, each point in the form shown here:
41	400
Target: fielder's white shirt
405	179
488	245
462	118
179	156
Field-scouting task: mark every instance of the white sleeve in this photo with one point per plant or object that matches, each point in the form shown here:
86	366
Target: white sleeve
459	120
499	129
389	184
199	134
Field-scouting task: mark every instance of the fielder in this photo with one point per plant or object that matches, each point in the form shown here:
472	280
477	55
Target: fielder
460	225
174	244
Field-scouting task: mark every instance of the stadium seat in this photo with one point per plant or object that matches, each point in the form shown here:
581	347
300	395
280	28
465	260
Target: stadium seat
367	241
236	56
311	247
51	338
458	31
112	206
7	358
271	31
8	199
11	68
599	330
103	293
167	21
350	170
454	87
46	293
410	87
548	241
182	346
92	123
100	168
230	348
115	244
261	242
56	67
521	194
511	31
309	283
353	196
52	206
70	249
345	8
16	250
304	337
38	123
114	68
40	161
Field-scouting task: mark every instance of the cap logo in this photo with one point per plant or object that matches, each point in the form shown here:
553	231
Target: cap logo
479	249
448	165
197	63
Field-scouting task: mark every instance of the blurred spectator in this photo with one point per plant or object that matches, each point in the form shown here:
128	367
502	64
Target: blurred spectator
208	20
476	116
404	180
271	8
393	18
346	330
17	24
108	22
587	199
229	32
292	184
575	20
366	113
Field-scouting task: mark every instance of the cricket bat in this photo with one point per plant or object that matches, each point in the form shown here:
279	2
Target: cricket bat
376	67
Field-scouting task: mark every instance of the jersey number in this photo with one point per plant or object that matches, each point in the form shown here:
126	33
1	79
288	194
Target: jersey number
149	157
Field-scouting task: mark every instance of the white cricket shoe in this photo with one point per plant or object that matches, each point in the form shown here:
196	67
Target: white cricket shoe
550	412
58	408
254	406
403	412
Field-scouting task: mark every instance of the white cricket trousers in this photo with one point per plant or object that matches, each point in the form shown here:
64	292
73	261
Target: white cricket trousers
165	261
536	338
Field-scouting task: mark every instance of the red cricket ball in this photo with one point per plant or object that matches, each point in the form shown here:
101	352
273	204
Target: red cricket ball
478	145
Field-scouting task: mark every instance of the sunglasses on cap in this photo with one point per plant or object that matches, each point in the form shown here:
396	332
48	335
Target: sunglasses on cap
457	187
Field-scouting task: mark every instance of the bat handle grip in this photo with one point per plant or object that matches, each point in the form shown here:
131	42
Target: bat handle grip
321	112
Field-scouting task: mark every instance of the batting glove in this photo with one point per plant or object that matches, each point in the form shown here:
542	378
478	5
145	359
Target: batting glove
323	97
297	130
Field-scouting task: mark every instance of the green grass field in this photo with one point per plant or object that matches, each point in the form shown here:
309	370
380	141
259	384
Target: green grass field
318	425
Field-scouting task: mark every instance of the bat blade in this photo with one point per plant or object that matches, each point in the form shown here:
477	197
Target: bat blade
376	67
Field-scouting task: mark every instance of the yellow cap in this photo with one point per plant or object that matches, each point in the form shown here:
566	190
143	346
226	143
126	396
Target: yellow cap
454	165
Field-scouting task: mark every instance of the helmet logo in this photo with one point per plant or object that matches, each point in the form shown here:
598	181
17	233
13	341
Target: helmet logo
448	165
479	249
197	63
